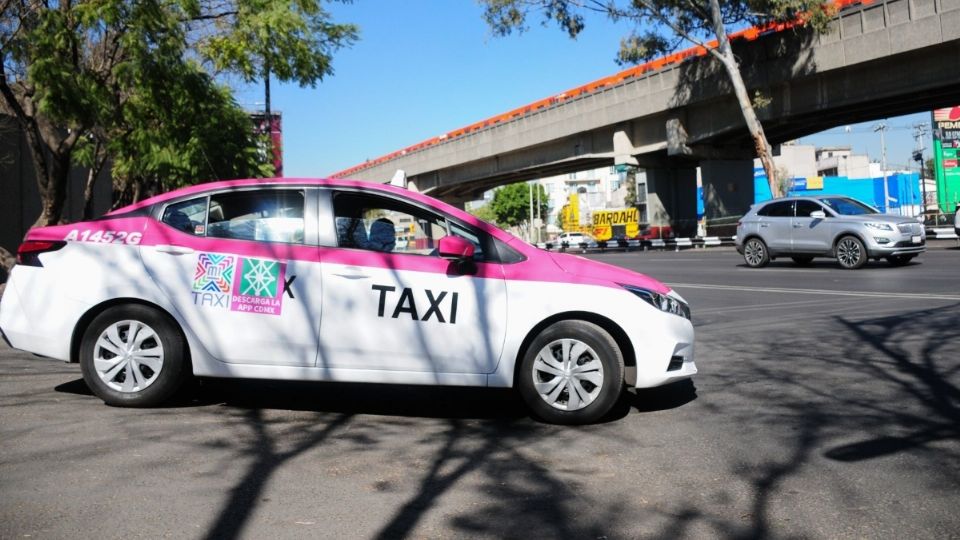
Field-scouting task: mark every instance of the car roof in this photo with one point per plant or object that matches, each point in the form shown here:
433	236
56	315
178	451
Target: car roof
201	189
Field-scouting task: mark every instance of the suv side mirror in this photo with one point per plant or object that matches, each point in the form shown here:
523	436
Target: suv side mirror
454	247
818	214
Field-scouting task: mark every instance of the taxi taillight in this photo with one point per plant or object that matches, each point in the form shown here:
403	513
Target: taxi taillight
28	254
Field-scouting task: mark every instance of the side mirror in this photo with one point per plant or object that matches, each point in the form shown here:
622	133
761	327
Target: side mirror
818	214
454	247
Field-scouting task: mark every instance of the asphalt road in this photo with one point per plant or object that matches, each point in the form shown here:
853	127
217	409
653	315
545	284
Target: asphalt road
827	406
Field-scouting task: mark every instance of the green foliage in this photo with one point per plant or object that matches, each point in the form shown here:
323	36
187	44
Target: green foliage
511	204
631	198
658	26
127	80
485	213
291	40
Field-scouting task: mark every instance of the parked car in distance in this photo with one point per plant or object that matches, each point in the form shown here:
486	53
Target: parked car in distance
573	239
956	221
803	228
299	279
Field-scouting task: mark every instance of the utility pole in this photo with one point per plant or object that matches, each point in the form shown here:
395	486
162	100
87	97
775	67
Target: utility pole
530	228
882	128
920	134
539	215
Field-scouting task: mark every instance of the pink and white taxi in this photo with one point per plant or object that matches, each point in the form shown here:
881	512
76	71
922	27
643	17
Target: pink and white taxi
330	280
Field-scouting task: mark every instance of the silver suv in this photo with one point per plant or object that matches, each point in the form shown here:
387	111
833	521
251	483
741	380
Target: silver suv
806	227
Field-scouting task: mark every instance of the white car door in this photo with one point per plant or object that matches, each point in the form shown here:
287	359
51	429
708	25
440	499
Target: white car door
238	271
394	308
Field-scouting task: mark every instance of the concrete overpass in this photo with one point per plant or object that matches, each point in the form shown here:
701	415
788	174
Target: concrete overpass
879	59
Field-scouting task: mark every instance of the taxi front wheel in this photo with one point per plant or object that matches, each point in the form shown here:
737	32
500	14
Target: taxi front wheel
133	356
572	373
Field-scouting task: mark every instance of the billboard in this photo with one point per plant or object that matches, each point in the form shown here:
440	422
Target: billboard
946	154
273	128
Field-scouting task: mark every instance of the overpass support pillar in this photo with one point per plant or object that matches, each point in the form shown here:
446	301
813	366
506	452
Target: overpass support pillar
672	198
727	191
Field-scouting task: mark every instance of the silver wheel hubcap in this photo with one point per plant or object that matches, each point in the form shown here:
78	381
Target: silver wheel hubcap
848	252
753	252
568	374
128	356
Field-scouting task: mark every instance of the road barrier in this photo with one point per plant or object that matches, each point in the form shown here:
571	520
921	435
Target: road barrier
644	245
936	233
942	233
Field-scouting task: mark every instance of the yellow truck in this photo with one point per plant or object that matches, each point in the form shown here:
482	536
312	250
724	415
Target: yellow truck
616	223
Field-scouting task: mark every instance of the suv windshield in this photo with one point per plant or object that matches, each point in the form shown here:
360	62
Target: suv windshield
848	207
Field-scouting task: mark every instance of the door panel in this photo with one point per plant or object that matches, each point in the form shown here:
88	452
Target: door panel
774	224
385	317
248	301
810	235
391	302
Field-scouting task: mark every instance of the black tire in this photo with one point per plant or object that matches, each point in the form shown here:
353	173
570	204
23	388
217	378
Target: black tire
850	252
802	260
755	253
900	260
173	370
606	352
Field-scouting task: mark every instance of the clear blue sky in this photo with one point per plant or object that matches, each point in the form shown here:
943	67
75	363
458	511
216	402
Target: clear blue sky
426	67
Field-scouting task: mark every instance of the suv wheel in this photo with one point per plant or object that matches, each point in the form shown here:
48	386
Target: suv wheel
755	253
850	253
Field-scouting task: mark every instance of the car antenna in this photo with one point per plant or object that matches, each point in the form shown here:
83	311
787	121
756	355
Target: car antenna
399	179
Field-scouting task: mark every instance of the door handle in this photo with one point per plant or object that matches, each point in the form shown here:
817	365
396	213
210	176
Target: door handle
764	225
352	272
798	225
174	250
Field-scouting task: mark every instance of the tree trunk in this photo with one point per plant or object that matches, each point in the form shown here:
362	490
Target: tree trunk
92	176
760	143
88	193
53	190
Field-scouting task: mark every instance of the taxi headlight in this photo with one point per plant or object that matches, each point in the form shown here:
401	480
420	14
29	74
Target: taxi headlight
664	302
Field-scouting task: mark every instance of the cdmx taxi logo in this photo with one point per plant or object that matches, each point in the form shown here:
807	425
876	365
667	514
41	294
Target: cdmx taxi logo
241	284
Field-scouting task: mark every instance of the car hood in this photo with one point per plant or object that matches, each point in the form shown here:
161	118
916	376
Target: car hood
586	268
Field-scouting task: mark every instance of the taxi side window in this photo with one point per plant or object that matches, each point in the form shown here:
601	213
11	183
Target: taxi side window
386	225
381	224
273	215
187	216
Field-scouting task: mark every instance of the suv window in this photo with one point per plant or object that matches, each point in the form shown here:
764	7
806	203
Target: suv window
270	215
804	208
777	209
847	207
377	223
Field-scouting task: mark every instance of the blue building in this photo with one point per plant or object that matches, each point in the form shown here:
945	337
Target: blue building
903	189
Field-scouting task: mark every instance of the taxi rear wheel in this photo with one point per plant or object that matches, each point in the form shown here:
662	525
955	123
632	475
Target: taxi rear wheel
572	373
133	356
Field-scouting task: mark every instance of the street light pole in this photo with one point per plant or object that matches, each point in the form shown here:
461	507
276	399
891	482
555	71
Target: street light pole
882	128
919	134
